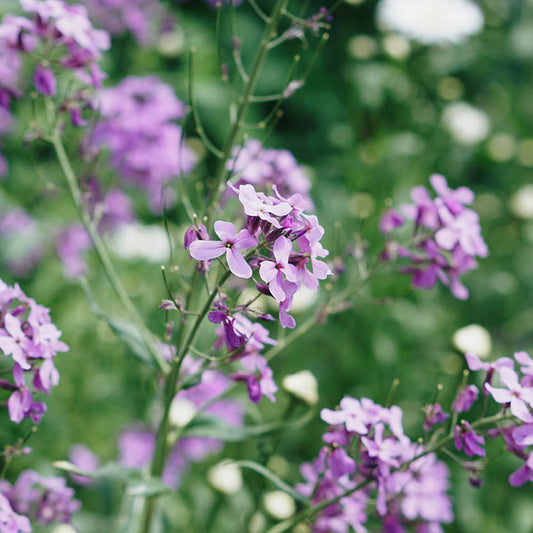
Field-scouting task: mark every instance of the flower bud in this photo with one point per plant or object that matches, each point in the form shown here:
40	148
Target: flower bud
225	477
279	504
302	385
182	411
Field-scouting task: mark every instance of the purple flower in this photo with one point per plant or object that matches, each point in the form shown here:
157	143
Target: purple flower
519	398
258	377
13	341
434	415
136	447
45	500
20	403
232	337
258	205
29	337
390	221
446	237
120	16
145	146
340	463
273	272
262	167
465	399
230	243
465	436
454	200
45	81
11	522
70	245
351	414
84	459
523	474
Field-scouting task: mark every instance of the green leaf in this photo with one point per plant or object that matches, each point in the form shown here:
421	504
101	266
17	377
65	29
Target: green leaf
278	482
125	331
137	483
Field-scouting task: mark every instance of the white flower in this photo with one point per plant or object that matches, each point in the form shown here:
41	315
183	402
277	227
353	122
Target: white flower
522	202
225	477
135	241
303	385
431	21
182	411
467	124
64	528
475	339
279	504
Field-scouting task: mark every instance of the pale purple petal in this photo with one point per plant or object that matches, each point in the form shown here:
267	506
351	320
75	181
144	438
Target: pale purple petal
237	263
204	250
224	230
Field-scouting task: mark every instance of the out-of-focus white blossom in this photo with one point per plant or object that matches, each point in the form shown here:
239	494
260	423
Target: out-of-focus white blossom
182	411
501	147
303	385
522	202
135	241
431	21
473	339
396	46
279	504
226	477
467	124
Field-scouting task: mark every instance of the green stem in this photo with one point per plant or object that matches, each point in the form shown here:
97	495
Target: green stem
169	392
249	88
101	250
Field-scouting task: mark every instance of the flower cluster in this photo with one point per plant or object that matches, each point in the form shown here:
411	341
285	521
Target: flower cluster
120	16
21	241
137	444
367	455
137	127
516	397
262	168
245	340
275	226
41	499
29	338
56	26
11	522
446	237
53	25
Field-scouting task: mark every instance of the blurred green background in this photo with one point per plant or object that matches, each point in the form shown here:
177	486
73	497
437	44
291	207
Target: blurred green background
368	125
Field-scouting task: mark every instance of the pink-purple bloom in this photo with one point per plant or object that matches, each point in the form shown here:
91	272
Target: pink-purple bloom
447	237
146	146
31	340
367	445
230	244
465	437
266	167
43	499
520	399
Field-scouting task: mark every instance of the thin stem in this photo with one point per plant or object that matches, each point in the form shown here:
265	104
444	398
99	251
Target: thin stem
259	11
101	250
236	126
199	129
169	392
